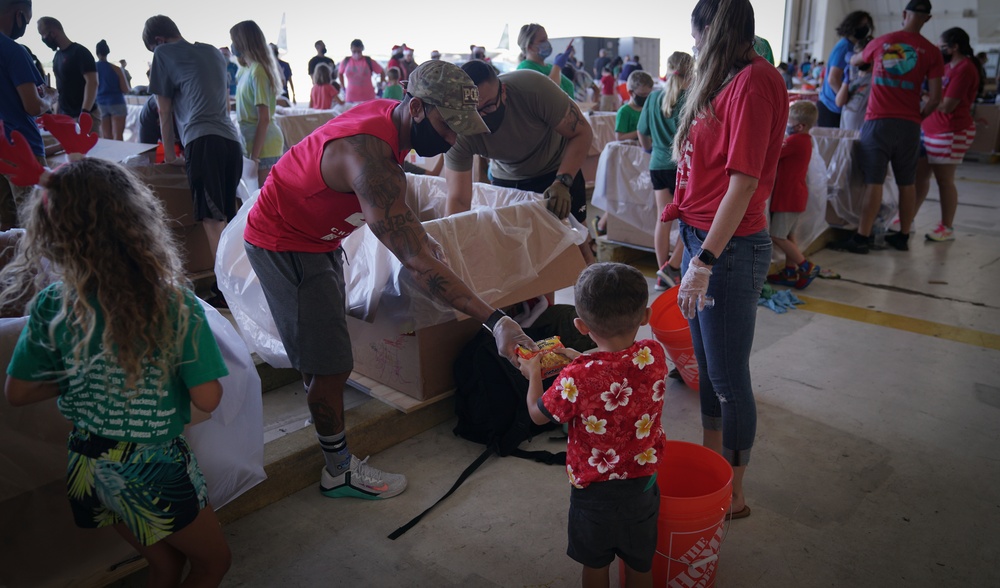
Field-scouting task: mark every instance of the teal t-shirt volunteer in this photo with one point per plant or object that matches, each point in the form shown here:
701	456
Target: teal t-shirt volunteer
653	124
93	400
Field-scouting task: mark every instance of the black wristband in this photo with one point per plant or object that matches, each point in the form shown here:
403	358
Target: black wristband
491	322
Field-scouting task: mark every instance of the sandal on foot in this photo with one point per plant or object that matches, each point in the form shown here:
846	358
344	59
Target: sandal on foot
740	514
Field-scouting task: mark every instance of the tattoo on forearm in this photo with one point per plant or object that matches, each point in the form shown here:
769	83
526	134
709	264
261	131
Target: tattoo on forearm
398	229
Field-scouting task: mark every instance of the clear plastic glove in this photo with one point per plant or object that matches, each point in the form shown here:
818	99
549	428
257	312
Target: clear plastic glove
692	296
560	60
508	335
558	200
436	250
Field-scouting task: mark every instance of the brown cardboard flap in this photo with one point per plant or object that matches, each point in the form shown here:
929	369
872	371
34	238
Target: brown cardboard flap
170	184
296	127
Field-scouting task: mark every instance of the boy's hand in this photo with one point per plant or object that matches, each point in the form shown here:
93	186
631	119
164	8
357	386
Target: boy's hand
567	352
530	367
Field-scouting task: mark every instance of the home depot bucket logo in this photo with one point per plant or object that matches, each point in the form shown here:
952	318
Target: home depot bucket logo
691	548
687	365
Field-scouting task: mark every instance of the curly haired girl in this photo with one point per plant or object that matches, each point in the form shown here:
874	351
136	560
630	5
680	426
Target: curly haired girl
127	350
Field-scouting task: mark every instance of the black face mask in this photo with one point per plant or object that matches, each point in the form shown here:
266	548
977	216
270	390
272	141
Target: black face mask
494	119
640	100
861	33
425	140
50	43
946	55
18	31
397	55
322	51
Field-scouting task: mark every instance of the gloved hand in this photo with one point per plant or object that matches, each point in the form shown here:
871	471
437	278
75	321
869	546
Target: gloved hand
436	250
508	335
692	295
560	60
558	200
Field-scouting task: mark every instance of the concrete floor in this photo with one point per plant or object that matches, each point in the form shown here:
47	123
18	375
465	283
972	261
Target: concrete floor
874	463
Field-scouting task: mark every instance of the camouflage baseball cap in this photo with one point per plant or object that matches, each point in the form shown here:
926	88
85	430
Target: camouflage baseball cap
451	90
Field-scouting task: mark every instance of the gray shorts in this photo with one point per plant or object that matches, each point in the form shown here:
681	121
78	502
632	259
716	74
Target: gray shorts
782	223
108	110
889	140
306	295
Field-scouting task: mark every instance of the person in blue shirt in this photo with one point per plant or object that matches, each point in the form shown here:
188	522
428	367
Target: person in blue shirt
856	27
20	99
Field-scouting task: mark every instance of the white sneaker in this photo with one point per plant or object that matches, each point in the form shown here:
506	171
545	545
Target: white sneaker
361	481
941	233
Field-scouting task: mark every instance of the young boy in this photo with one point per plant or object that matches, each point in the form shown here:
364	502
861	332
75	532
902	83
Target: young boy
393	89
790	195
609	100
611	399
640	86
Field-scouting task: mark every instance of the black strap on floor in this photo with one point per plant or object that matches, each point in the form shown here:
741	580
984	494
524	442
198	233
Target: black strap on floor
546	457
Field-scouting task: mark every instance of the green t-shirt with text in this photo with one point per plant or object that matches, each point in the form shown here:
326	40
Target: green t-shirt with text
545	69
93	399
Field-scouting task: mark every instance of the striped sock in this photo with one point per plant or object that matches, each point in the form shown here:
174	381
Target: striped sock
338	457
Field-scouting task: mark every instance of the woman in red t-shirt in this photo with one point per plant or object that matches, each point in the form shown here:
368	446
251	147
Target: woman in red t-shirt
949	131
726	149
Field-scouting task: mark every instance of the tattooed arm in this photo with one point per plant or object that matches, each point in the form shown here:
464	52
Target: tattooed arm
365	165
574	126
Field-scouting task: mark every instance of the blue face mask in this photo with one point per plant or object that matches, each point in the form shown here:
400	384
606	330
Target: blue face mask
789	129
544	49
235	53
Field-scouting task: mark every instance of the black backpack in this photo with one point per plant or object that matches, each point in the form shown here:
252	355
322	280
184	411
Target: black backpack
490	398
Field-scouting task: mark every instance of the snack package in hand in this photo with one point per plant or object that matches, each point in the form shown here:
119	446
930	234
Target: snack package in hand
551	363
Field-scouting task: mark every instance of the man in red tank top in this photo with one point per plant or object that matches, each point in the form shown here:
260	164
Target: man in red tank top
345	174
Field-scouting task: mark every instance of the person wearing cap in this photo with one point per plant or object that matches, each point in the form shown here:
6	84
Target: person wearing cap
346	174
901	62
358	69
538	142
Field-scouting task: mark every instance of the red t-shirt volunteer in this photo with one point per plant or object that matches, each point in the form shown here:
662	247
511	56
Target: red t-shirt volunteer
791	193
296	210
900	63
744	137
612	402
961	82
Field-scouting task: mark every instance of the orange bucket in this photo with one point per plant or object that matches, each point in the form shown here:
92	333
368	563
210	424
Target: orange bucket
671	329
696	490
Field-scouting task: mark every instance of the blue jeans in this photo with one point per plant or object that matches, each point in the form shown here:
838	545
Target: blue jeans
723	335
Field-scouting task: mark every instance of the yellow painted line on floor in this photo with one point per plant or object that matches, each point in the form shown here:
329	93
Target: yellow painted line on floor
902	323
977	181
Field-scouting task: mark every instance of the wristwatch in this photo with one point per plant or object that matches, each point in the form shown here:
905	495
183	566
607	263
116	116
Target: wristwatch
491	322
707	257
565	180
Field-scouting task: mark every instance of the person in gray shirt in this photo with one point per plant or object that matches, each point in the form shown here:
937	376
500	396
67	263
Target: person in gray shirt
190	83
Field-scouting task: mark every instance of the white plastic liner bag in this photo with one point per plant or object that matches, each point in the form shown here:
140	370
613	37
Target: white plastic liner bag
494	248
845	183
622	186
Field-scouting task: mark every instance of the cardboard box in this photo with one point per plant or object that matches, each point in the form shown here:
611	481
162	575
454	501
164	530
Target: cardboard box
623	231
195	248
170	184
296	127
987	118
419	364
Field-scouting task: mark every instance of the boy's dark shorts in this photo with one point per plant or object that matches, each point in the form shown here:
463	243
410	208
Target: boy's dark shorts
664	179
889	140
618	517
214	167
